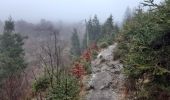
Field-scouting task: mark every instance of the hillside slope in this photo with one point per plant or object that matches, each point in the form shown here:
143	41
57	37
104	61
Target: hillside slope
106	81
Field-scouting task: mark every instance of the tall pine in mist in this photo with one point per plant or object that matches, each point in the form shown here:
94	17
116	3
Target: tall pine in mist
85	42
128	15
96	28
11	51
75	50
93	29
88	36
89	31
108	26
93	32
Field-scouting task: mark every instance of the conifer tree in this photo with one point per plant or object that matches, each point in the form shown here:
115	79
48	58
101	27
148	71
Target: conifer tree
85	42
128	15
96	28
11	51
108	26
75	50
93	30
89	29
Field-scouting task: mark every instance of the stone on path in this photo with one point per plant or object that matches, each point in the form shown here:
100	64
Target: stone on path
106	78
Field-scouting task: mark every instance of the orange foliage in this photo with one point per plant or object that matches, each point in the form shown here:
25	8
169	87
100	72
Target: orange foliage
78	70
87	55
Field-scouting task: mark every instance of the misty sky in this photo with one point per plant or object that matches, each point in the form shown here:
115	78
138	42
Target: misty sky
65	10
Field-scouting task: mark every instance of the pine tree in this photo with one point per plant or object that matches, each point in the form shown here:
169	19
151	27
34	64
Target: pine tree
128	15
93	30
86	39
96	28
108	26
75	50
89	26
85	42
11	51
116	28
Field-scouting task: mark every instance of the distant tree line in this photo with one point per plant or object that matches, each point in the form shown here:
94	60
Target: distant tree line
95	32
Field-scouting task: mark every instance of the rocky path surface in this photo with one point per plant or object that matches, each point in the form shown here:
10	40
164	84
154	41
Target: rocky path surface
106	80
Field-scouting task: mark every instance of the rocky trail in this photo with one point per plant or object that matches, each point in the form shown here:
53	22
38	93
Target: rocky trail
106	81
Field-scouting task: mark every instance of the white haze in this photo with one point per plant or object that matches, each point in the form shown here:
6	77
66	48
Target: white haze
64	10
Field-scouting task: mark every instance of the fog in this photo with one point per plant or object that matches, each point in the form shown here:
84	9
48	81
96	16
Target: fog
35	18
64	10
49	47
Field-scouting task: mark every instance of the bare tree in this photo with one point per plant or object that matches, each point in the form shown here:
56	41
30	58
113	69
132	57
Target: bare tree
50	56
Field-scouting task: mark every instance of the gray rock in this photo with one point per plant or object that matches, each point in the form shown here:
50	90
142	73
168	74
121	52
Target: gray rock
106	79
101	79
102	95
105	68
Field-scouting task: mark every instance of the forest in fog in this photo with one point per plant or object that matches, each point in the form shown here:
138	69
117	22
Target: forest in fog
90	59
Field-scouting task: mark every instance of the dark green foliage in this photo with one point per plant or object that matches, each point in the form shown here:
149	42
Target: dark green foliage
96	29
93	32
108	33
103	44
11	51
85	42
65	86
75	50
107	38
128	16
9	26
41	84
89	31
145	51
12	63
66	89
105	41
93	29
108	26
